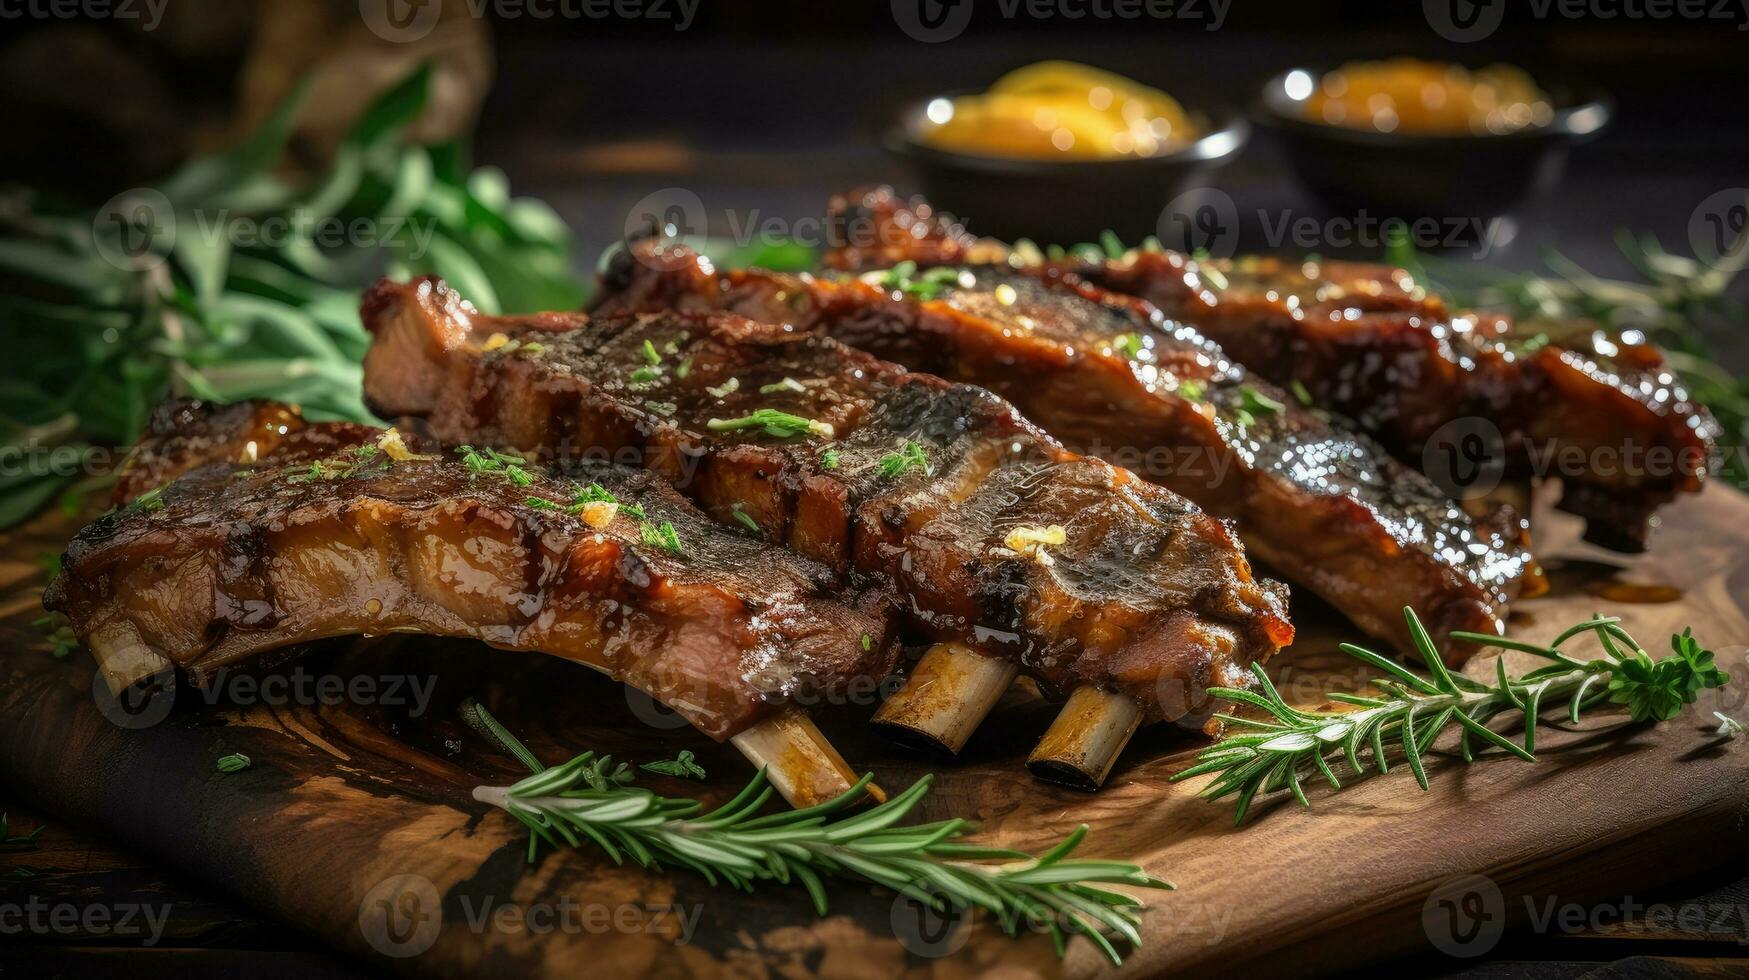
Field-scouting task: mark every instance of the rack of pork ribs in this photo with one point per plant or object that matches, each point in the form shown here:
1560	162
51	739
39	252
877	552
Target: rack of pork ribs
1314	501
1600	408
1006	553
721	567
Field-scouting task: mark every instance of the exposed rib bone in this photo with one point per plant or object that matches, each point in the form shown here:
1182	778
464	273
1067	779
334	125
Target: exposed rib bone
801	764
1081	745
946	697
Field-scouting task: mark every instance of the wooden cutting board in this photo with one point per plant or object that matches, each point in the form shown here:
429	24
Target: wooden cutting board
355	823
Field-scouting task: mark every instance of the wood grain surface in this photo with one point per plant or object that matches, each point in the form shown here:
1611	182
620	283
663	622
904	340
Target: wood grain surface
355	823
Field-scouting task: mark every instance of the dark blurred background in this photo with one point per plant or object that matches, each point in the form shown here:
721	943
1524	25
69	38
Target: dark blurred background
765	108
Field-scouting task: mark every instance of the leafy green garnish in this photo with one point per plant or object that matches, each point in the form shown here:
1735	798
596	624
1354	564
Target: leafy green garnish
909	456
1277	752
204	310
775	423
235	762
661	536
683	765
587	802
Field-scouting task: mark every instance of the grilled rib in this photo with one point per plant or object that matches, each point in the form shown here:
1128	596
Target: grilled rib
327	534
1323	506
941	489
1602	409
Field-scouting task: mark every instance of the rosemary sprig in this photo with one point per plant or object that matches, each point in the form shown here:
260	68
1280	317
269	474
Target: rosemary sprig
1280	751
11	843
586	800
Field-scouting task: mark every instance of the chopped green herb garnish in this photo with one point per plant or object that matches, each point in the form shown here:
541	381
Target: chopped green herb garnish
682	369
725	389
745	519
661	536
645	376
60	632
1192	389
904	278
1112	244
909	457
540	503
673	346
1257	403
1300	392
149	502
867	641
1129	345
650	354
774	422
787	384
684	766
235	762
491	462
829	459
661	408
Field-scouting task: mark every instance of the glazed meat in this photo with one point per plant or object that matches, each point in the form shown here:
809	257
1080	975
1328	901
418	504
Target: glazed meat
1321	504
991	533
1601	409
185	433
333	534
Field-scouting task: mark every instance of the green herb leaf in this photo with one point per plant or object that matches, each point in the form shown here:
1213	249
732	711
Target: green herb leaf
683	766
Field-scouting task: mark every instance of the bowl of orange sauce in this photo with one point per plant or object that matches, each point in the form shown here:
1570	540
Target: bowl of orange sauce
1410	138
1060	152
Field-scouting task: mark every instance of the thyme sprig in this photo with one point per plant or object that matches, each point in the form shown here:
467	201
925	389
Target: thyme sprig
1280	751
587	800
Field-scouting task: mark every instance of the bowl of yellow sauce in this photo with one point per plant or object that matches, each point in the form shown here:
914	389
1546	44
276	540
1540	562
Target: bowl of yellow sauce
1410	138
1059	152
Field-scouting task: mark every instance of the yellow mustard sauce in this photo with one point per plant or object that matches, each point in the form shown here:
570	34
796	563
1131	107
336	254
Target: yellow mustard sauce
1059	110
1407	95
